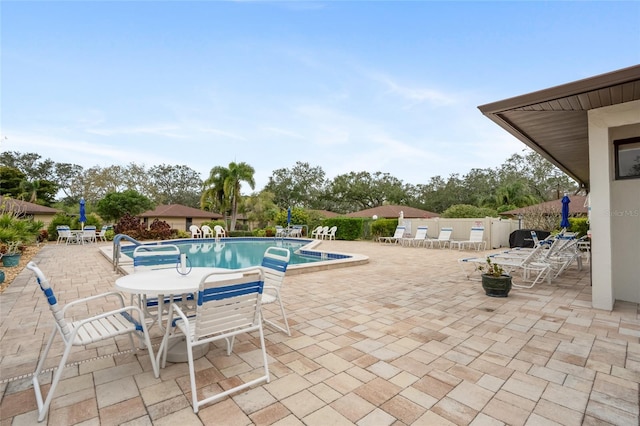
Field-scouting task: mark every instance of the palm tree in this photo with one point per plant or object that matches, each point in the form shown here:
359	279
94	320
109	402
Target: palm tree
213	197
222	188
238	173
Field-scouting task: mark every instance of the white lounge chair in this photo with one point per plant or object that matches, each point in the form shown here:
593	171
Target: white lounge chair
419	239
398	235
475	241
76	331
528	265
443	240
226	308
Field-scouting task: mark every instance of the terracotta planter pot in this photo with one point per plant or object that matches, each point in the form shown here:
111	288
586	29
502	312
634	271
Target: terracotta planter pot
496	286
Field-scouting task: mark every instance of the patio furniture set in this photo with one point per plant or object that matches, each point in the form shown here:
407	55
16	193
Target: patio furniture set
192	307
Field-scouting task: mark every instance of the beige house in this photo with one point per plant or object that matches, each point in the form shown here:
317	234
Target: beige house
26	209
590	129
178	216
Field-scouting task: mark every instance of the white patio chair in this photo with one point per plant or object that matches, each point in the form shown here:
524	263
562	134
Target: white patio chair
102	234
226	308
322	234
475	241
398	235
64	234
274	266
331	235
88	234
123	320
195	231
155	257
219	232
317	232
280	232
207	232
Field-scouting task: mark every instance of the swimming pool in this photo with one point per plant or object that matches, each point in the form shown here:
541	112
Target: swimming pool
236	253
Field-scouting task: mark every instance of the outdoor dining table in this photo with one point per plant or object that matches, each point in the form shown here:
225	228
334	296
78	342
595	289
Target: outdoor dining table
170	282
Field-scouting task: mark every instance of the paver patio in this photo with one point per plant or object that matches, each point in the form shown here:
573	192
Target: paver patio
403	340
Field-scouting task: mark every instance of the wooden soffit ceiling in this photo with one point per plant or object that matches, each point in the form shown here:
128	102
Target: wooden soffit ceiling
554	123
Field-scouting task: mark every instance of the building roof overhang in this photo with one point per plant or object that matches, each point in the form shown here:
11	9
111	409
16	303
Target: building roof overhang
554	123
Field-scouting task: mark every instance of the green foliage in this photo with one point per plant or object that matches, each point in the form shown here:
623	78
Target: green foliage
349	228
10	179
491	268
92	219
300	186
383	227
299	216
241	234
116	204
579	225
18	229
212	223
109	234
58	220
466	210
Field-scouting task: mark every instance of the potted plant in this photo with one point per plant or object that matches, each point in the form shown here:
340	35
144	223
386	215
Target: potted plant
495	282
11	252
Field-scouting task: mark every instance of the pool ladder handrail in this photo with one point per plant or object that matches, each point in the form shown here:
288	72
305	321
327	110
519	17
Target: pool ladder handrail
117	248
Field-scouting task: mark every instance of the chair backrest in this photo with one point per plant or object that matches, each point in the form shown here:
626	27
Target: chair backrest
47	291
399	232
445	234
421	232
317	230
89	231
103	231
476	235
333	230
274	265
64	231
160	256
228	304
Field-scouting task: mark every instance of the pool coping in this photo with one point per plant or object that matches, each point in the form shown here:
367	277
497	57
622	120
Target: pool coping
125	265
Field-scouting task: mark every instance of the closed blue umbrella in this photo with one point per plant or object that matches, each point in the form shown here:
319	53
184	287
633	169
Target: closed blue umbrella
288	216
564	223
83	217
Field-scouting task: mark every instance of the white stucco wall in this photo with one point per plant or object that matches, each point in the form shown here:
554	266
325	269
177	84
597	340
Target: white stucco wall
615	229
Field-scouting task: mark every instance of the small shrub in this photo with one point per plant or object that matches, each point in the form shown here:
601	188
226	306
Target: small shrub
159	230
42	236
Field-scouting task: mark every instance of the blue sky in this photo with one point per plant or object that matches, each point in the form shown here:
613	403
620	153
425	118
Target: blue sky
347	86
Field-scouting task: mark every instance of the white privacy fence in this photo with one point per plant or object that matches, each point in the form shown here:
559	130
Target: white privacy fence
496	230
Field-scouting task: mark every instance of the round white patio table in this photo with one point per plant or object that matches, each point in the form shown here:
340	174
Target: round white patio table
168	282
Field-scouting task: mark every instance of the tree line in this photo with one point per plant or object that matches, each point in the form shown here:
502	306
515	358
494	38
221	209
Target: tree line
523	179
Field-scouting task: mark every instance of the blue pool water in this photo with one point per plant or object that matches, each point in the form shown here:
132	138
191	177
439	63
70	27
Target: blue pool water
236	253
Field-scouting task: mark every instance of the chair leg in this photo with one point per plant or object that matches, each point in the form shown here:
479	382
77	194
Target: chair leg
43	406
284	318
